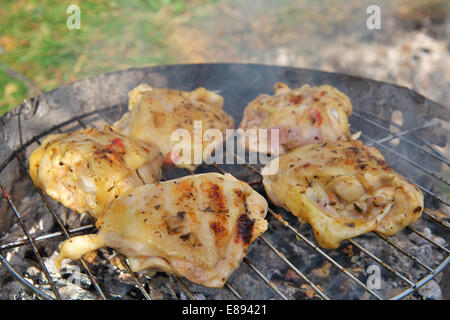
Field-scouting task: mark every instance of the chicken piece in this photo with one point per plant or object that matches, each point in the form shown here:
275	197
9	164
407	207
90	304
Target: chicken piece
198	227
302	116
155	114
343	189
85	170
134	96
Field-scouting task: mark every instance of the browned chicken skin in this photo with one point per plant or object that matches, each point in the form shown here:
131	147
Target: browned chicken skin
198	227
302	116
86	169
343	189
155	114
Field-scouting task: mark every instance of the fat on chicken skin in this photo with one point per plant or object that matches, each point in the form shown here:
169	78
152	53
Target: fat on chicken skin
301	116
343	189
198	227
155	114
86	169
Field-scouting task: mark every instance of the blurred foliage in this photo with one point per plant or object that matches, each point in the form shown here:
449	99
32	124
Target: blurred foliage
36	44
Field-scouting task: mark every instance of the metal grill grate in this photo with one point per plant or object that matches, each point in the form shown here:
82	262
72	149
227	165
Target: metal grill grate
277	217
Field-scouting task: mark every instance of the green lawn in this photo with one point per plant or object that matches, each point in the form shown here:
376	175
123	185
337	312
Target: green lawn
39	52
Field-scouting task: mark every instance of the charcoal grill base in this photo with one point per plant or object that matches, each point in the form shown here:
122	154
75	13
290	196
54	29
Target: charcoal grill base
283	264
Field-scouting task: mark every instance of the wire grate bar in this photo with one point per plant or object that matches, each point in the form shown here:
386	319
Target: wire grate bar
317	249
393	135
400	134
264	278
423	281
412	132
441	222
23	242
432	148
32	243
433	195
106	120
357	113
428	239
23	281
296	270
67	236
403	251
378	260
233	291
185	288
19	243
124	262
432	154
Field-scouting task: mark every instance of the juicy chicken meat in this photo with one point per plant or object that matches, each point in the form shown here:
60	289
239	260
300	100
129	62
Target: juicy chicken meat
198	227
85	170
155	114
302	116
343	189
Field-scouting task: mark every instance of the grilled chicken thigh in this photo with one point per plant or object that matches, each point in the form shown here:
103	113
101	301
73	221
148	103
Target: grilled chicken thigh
343	189
198	227
301	116
155	114
85	170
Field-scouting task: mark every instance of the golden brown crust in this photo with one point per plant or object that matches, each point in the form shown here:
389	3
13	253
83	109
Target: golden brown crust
343	189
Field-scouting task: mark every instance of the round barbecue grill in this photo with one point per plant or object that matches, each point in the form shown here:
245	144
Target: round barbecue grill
285	263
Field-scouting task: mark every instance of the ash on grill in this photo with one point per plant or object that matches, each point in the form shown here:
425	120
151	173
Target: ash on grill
72	283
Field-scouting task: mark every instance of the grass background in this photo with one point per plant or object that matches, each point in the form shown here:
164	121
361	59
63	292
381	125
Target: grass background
38	52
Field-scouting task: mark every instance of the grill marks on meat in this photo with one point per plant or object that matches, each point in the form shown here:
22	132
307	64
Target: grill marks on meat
215	195
245	223
245	228
198	227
